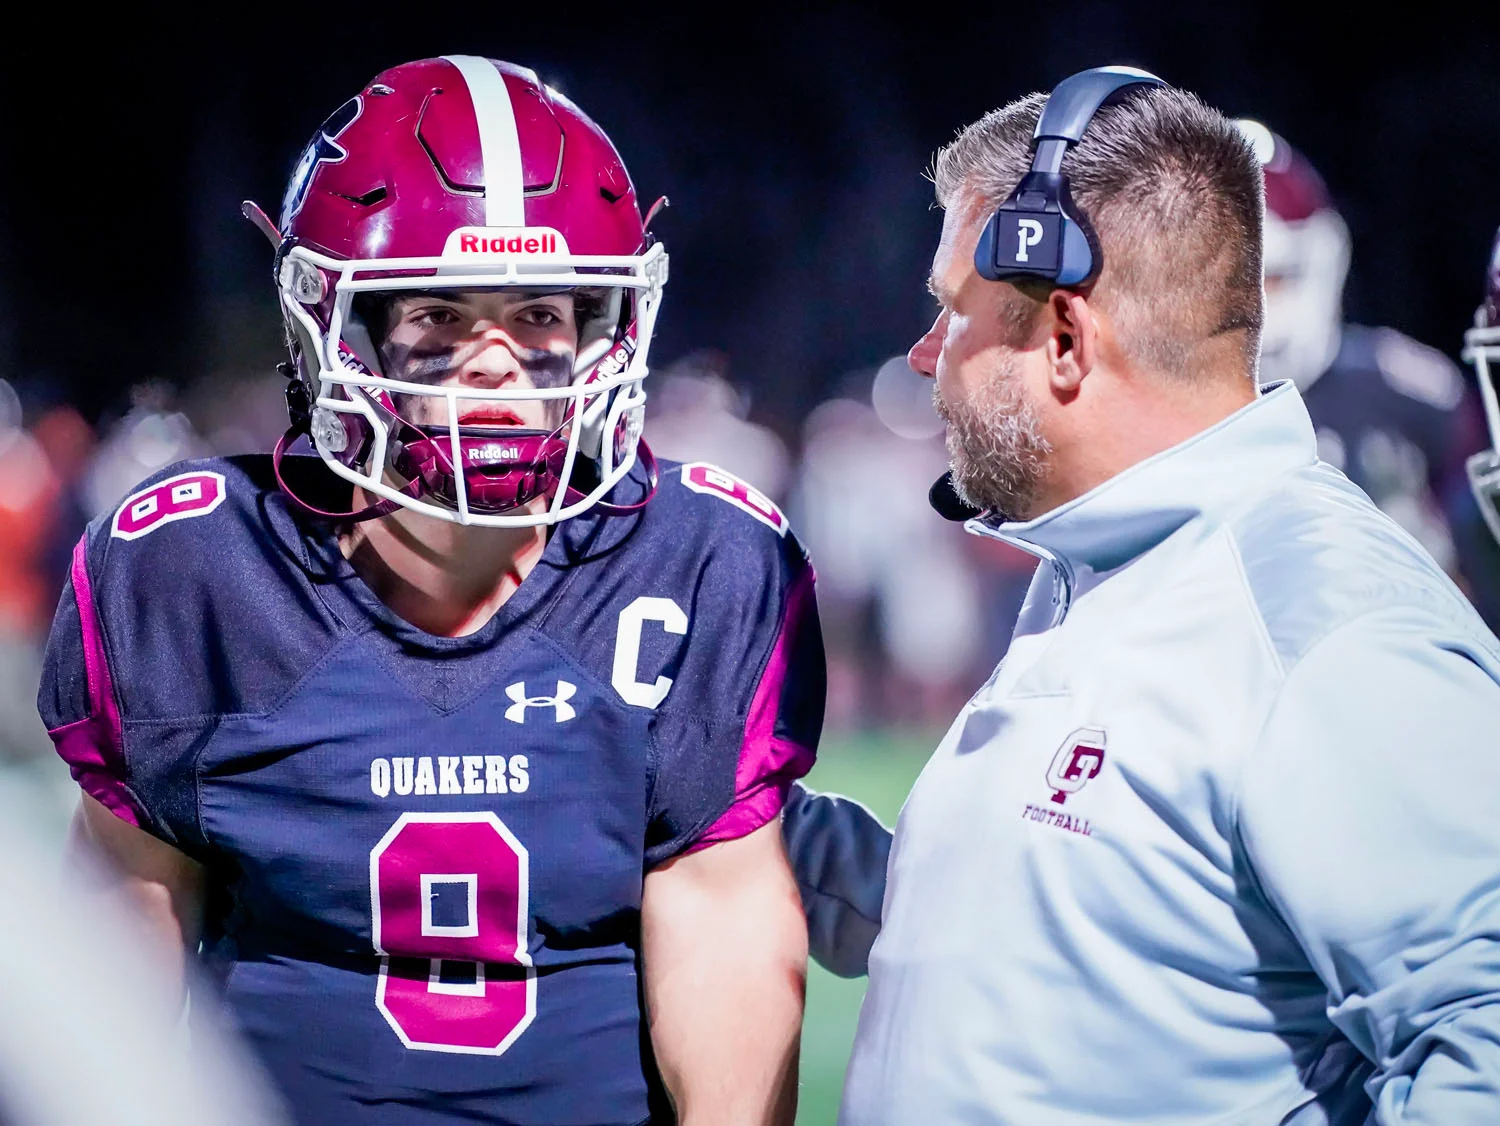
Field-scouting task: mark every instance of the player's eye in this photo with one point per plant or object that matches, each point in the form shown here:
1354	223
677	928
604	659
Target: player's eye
541	316
433	316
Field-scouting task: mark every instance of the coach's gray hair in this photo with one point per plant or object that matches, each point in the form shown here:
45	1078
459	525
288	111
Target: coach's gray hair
1174	193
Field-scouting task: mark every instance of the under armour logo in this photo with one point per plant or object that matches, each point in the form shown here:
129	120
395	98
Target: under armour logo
516	713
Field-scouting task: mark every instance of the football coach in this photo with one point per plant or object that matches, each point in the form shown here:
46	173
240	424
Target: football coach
1219	841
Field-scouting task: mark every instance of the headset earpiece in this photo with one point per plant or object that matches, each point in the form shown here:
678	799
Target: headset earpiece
1038	232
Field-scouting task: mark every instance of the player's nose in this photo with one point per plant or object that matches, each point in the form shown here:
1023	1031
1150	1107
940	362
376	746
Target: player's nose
494	361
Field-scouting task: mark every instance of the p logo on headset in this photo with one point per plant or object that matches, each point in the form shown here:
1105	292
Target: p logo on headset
1038	232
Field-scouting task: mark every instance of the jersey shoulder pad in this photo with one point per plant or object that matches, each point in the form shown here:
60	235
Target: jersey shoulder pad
123	638
743	717
715	502
188	575
197	499
1417	371
193	524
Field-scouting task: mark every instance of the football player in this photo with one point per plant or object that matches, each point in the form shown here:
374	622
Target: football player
1393	414
1481	346
458	750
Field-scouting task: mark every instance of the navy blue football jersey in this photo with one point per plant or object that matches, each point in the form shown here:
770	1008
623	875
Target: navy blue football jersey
425	854
1396	416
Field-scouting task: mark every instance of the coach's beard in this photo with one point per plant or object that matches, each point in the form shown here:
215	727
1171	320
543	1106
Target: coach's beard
995	445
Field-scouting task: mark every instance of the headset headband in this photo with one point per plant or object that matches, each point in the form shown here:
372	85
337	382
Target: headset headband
1038	232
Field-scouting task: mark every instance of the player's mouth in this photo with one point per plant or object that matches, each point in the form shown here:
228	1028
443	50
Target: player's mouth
489	416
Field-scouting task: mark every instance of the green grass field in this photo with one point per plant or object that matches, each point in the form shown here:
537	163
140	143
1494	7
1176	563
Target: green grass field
879	771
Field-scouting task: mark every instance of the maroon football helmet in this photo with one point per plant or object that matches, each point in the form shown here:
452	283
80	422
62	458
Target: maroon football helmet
1306	256
1482	349
467	175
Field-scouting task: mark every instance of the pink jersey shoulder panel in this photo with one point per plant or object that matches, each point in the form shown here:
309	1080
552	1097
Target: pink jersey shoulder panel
92	746
768	764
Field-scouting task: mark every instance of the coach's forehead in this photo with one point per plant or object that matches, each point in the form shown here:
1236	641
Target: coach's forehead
953	261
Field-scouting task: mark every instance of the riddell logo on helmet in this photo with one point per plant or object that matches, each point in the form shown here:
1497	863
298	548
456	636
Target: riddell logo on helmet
506	242
491	453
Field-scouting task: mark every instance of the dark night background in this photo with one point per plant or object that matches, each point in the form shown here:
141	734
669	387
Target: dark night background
792	146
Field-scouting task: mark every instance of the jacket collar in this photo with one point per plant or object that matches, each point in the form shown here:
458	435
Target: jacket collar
1204	477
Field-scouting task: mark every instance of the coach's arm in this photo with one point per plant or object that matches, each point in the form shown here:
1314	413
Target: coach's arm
838	850
725	961
1369	814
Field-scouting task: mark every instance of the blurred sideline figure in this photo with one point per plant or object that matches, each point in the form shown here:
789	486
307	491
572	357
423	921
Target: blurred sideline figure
121	1023
1481	346
39	464
1391	413
908	605
153	435
696	414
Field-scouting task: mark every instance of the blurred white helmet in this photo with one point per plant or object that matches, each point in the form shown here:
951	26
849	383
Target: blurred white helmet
1306	264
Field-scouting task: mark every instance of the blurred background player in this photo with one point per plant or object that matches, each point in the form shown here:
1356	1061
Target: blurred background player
699	414
915	612
40	518
1394	414
461	745
1481	348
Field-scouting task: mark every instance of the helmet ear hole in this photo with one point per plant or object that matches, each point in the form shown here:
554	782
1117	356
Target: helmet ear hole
304	351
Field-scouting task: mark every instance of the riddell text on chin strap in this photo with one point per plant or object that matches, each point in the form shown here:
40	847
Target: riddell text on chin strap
1039	232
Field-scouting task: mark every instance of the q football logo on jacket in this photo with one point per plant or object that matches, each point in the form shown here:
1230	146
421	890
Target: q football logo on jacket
1077	762
1079	759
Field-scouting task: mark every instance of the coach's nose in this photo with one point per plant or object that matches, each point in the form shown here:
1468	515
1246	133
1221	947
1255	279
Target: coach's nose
923	356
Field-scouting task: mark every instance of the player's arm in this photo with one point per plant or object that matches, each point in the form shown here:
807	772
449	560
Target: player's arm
724	941
160	886
725	959
78	702
838	850
1370	817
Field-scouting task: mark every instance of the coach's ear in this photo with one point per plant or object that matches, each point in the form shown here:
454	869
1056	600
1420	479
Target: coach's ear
1073	341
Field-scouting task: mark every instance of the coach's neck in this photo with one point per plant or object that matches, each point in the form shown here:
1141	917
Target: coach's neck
1105	411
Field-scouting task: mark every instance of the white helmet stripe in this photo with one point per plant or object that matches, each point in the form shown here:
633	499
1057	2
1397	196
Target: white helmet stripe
499	144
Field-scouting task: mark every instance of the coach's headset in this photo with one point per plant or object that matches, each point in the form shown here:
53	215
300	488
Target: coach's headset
1039	232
